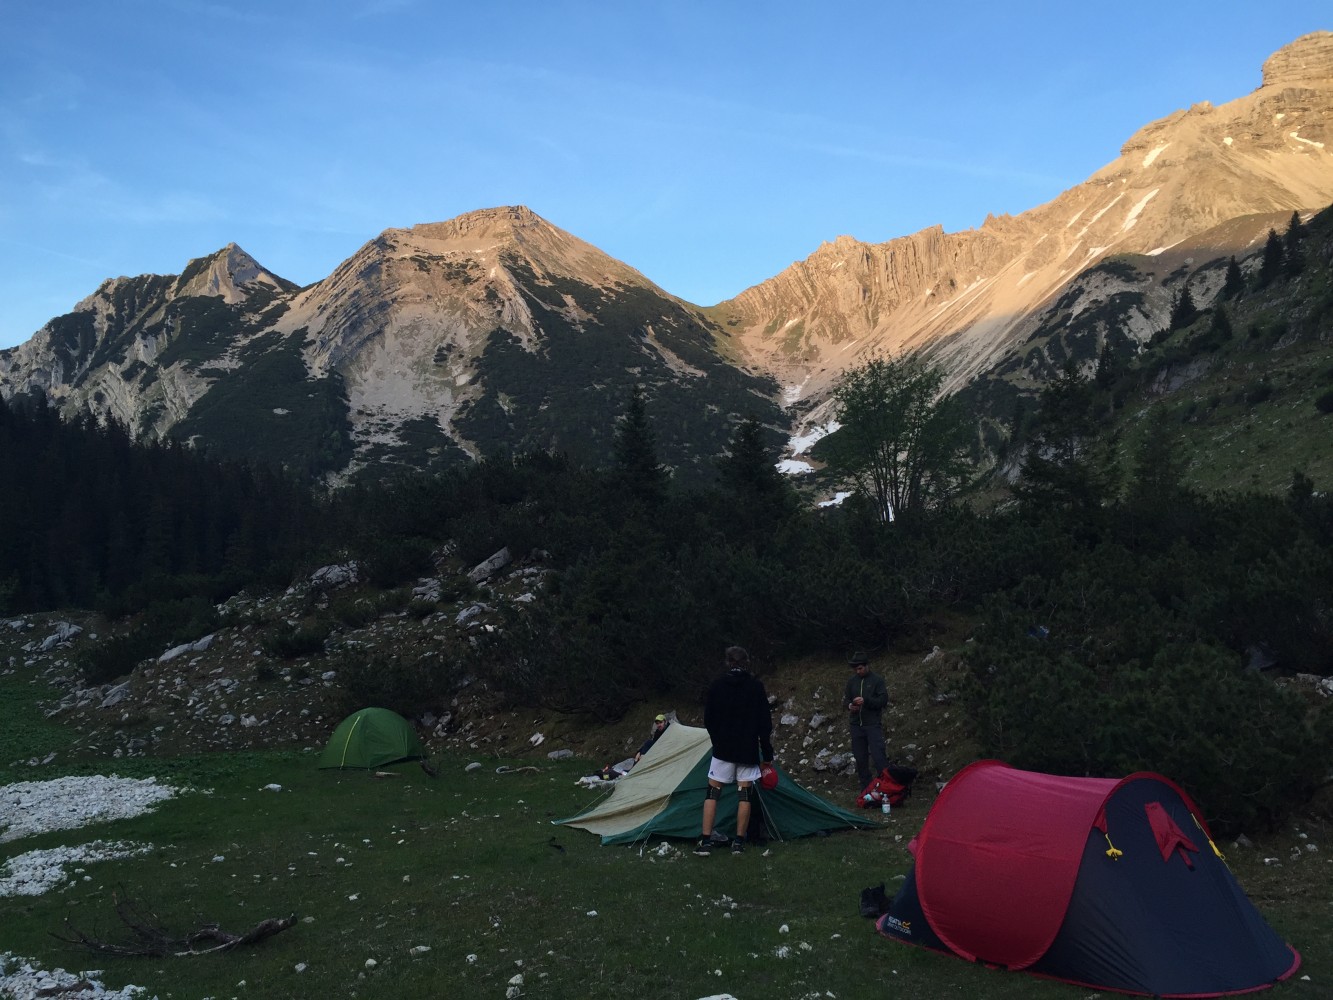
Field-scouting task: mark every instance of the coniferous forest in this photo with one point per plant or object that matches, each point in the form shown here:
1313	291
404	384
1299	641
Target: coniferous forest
1138	610
1115	614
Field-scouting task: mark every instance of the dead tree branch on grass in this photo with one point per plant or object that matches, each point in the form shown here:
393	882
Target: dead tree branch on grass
150	940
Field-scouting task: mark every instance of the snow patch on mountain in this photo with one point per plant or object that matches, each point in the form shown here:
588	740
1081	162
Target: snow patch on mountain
1154	153
801	443
1133	216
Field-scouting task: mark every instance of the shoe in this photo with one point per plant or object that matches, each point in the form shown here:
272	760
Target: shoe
704	847
720	839
737	847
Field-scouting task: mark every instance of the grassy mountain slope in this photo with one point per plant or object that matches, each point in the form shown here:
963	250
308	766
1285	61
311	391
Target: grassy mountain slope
1243	385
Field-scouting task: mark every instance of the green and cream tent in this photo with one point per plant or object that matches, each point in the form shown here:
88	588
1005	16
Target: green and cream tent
663	797
370	738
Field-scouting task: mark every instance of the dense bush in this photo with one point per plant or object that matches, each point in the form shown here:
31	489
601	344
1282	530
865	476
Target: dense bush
292	642
162	625
393	561
1132	679
115	656
408	685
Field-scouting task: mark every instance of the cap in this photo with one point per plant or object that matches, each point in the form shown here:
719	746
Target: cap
660	718
858	659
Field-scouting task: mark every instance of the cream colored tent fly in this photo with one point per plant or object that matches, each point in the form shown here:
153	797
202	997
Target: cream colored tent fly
663	796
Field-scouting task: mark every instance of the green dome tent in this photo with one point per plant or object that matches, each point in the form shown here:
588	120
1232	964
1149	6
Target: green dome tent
663	796
369	738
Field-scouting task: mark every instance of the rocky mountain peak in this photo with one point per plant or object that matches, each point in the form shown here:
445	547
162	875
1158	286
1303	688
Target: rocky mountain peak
228	273
483	236
506	221
1309	59
968	297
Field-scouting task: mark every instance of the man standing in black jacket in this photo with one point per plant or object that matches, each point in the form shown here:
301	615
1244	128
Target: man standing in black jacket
740	725
866	697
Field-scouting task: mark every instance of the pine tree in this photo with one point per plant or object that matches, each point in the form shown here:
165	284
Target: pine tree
1295	259
1108	365
1159	470
1234	285
747	469
1219	328
1274	260
1064	467
637	468
1183	311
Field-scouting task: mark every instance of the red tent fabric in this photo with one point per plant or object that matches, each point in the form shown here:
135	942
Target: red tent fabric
975	862
1103	882
1169	836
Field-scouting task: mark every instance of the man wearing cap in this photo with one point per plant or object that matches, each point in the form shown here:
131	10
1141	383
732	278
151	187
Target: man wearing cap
659	727
865	698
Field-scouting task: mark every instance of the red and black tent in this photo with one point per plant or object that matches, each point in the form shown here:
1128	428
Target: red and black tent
1112	884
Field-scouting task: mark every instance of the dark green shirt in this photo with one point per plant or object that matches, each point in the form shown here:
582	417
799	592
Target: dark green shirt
871	688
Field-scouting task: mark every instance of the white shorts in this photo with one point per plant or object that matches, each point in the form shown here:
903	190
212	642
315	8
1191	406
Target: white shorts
725	772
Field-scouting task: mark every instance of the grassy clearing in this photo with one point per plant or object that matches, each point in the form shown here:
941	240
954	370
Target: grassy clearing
25	733
468	864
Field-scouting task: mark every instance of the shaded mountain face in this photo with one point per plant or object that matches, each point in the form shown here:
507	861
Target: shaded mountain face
492	333
145	350
1199	184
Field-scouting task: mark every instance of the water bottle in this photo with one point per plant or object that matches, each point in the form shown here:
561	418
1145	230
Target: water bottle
885	807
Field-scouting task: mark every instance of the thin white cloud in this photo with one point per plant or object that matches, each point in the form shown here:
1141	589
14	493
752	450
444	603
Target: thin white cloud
382	8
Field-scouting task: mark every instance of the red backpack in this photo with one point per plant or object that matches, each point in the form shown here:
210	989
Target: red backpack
893	784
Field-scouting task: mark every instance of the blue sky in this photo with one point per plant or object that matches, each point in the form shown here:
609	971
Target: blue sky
707	144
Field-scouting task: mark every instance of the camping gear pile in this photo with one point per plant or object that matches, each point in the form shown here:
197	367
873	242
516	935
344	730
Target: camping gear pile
1105	883
892	785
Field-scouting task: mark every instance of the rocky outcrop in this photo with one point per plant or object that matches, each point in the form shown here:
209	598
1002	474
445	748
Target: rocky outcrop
129	351
968	297
1309	59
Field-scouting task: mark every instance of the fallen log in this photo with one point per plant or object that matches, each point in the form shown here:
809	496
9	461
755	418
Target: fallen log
150	940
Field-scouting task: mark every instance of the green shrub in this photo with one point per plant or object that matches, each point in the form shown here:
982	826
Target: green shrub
454	589
420	607
395	560
301	640
407	685
1258	392
354	611
1133	693
164	624
394	600
115	656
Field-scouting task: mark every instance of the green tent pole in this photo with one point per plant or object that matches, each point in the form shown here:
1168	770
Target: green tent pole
348	741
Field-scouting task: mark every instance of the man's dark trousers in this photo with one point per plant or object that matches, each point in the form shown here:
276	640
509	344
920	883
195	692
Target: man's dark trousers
868	748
